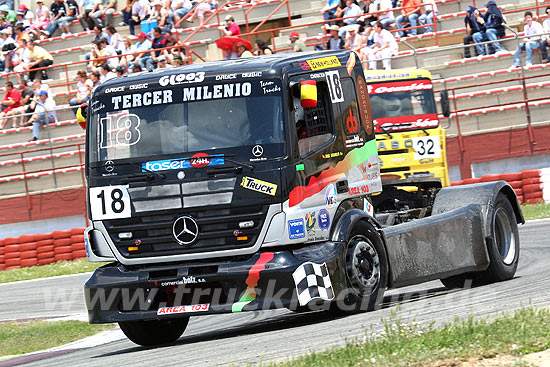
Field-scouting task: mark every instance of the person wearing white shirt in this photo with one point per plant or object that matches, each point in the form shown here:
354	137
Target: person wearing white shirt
43	114
106	73
351	10
427	17
384	47
533	31
386	17
545	42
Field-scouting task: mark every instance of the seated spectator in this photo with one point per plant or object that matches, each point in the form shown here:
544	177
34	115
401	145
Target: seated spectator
95	78
429	16
369	8
475	31
21	34
162	63
120	71
202	8
143	44
161	15
85	11
329	9
129	49
44	114
21	59
106	73
65	22
26	98
107	9
39	58
354	40
149	61
115	40
386	15
8	47
42	18
21	20
180	8
171	41
545	42
410	13
335	42
532	29
12	100
178	61
84	87
494	29
27	14
297	44
5	25
140	12
57	11
383	49
101	50
8	13
262	48
243	51
351	9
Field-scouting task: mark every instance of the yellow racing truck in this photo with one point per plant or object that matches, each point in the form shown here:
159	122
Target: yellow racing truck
409	138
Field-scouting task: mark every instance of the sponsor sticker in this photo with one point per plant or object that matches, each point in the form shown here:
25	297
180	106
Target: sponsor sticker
310	222
185	78
183	309
185	280
252	74
254	184
198	160
296	229
330	196
324	219
355	141
269	87
364	105
323	63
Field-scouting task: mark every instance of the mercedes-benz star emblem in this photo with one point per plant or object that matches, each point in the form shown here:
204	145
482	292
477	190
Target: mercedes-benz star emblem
185	230
257	151
109	166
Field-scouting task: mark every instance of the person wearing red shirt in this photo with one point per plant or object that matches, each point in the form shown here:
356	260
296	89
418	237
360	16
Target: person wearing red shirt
412	10
12	100
232	28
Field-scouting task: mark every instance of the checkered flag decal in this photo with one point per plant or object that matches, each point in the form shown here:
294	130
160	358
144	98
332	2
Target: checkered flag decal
312	281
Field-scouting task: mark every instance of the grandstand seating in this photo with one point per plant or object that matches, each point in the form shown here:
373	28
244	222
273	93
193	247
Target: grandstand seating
59	147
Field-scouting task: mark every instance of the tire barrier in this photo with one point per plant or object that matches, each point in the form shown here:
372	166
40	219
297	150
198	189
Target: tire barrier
41	249
531	186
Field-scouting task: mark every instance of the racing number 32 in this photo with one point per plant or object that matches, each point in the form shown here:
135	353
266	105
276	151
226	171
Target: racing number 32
426	147
110	202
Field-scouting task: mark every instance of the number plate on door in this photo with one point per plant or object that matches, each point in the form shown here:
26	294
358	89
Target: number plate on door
110	202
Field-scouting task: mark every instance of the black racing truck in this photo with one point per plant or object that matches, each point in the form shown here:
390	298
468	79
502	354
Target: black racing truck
247	185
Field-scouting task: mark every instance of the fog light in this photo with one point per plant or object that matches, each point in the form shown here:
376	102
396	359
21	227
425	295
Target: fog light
242	238
125	235
133	248
247	224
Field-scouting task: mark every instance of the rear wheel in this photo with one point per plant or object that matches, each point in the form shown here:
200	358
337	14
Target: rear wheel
154	332
366	270
503	249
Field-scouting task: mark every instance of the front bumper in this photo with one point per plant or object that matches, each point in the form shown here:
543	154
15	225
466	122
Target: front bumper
266	280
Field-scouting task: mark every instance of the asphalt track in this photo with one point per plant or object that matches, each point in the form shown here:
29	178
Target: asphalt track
278	335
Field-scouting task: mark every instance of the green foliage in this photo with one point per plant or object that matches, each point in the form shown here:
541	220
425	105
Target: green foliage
536	211
50	270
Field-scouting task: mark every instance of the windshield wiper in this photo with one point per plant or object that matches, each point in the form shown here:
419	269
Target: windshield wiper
138	176
247	165
385	130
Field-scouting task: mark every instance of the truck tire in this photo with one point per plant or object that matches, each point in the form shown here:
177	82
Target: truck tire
366	269
503	249
154	332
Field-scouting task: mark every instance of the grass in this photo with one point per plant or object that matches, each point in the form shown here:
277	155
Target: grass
524	332
536	211
25	337
50	270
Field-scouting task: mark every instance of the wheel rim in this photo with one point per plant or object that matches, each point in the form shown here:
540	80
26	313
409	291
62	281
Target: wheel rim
364	265
504	238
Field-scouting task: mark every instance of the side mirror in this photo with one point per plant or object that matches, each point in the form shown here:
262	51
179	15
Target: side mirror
308	93
445	105
82	115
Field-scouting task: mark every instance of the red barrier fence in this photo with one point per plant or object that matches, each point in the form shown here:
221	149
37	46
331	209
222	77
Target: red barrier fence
529	185
41	249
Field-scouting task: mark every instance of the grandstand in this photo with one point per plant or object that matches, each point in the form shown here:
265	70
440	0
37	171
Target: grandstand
500	121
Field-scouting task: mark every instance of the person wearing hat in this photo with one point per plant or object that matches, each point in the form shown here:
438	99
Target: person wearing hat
231	28
8	47
143	44
8	13
243	51
27	14
297	44
335	42
44	113
42	18
21	20
39	58
162	64
161	15
354	40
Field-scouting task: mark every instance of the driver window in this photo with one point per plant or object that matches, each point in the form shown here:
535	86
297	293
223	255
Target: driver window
312	123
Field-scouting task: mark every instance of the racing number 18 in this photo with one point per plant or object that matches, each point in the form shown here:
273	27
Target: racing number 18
110	202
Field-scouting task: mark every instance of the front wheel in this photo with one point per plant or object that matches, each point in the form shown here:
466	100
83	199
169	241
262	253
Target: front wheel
503	249
366	270
154	332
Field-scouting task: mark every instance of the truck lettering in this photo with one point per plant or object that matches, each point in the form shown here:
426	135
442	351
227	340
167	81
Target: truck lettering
142	99
259	186
216	91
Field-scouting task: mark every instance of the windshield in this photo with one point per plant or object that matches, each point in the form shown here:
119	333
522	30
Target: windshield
403	105
189	119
